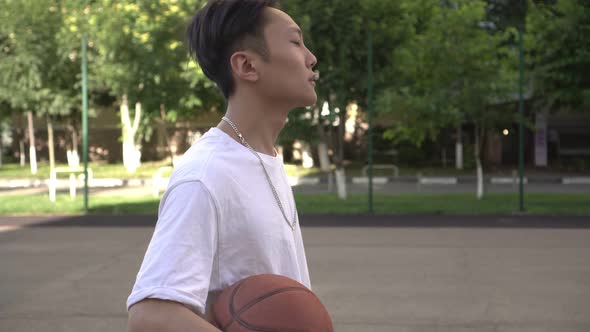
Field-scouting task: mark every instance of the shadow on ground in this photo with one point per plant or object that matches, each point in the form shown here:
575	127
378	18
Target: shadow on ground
357	220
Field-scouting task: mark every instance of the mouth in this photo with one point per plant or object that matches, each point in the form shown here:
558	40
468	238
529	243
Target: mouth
315	77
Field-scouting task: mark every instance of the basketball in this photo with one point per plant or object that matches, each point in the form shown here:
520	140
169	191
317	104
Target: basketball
270	303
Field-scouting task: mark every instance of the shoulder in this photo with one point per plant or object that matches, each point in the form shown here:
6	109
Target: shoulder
201	161
214	161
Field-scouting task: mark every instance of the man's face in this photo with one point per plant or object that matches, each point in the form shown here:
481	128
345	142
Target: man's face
288	75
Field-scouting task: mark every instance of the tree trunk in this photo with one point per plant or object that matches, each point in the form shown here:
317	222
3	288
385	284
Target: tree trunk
459	149
74	139
131	153
341	102
341	124
165	132
341	183
1	147
1	144
477	152
325	164
306	155
340	172
22	137
72	153
540	142
32	151
50	142
21	152
324	157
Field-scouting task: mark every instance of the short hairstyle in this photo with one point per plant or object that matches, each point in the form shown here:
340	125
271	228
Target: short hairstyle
220	29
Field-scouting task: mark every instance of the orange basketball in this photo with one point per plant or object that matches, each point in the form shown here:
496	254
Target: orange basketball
270	303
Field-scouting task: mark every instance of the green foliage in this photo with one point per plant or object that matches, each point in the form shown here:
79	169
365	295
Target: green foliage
507	13
35	72
558	48
450	71
300	125
437	63
135	47
140	52
336	32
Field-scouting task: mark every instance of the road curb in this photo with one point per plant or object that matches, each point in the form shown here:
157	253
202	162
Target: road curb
8	184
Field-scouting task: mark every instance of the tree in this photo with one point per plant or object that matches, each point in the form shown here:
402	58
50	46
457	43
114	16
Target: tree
342	58
452	72
5	113
559	54
140	56
37	76
136	52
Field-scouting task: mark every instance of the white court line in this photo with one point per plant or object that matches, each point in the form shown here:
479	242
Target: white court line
22	224
576	180
365	180
10	228
438	180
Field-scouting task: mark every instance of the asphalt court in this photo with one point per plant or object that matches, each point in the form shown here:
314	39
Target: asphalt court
373	273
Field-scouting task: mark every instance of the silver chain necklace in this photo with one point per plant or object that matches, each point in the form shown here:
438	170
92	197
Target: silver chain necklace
274	190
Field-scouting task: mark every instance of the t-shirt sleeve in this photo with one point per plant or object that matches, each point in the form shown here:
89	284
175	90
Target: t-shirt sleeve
179	260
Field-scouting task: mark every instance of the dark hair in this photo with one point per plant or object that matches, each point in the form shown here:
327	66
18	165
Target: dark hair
220	29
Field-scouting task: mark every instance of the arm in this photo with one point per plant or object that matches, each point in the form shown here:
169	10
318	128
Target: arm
175	273
152	315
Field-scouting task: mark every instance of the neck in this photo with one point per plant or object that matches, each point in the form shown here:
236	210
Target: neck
259	123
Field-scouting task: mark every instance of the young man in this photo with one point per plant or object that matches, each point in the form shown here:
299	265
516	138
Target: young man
229	212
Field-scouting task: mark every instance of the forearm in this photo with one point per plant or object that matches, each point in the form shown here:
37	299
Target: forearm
165	316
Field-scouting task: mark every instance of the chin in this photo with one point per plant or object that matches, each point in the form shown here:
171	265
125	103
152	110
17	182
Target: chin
303	99
309	101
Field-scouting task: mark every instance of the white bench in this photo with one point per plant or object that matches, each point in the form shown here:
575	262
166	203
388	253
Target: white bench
394	169
52	184
159	180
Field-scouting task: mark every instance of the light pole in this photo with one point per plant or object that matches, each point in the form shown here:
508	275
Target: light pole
370	111
85	117
521	119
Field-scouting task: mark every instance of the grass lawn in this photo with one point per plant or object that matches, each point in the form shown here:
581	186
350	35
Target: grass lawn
148	169
40	204
564	204
99	170
103	170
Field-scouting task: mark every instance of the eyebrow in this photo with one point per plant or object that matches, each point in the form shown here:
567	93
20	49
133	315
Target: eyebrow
293	29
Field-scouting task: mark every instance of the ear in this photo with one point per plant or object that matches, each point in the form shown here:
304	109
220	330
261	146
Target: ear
243	65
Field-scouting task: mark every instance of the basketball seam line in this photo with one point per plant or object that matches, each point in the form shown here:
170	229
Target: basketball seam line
253	302
236	316
231	305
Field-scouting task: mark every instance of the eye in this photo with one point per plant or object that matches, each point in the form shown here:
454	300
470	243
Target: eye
298	43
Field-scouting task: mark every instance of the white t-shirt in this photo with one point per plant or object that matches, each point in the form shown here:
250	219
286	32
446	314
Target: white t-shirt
218	223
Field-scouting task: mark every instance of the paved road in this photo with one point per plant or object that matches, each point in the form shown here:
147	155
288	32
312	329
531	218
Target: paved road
413	188
389	188
375	274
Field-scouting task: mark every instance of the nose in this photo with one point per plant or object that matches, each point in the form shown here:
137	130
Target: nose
311	59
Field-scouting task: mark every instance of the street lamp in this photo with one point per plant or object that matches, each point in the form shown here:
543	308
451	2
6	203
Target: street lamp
521	119
85	113
370	111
